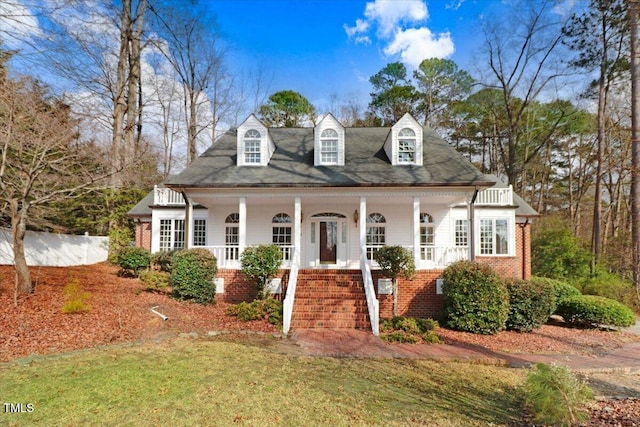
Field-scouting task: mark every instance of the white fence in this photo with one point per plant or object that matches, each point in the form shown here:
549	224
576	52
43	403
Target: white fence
55	250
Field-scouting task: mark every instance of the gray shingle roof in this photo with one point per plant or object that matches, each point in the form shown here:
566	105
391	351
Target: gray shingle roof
292	164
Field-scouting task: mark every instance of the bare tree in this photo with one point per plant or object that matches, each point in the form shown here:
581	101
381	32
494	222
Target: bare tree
42	161
191	44
521	52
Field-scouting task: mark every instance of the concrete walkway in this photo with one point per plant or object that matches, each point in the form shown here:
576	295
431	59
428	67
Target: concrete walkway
350	343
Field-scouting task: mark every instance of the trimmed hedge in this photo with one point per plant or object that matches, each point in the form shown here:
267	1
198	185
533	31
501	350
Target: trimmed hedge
132	260
192	275
530	304
409	330
561	289
269	309
591	311
475	298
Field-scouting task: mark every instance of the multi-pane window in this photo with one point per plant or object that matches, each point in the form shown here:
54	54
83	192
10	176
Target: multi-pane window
406	146
329	146
232	236
171	234
281	234
427	237
494	237
376	233
199	232
461	238
252	146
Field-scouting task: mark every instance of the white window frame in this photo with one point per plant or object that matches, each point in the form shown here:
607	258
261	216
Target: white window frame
376	234
407	139
427	237
232	237
489	243
329	141
252	147
172	234
281	234
461	233
199	232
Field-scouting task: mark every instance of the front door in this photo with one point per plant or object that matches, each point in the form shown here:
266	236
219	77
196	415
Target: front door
328	241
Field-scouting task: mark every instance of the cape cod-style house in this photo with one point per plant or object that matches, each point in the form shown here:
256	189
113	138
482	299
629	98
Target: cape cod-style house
330	196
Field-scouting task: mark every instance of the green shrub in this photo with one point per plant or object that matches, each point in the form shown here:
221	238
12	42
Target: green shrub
409	330
269	309
562	290
555	396
530	304
261	263
192	275
155	281
558	254
75	298
609	285
592	311
133	259
475	299
119	239
163	260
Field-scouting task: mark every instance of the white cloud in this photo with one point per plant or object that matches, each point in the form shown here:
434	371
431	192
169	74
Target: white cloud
399	26
415	44
564	7
389	14
18	24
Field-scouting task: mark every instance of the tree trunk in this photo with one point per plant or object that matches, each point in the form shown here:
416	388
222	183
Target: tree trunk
18	230
635	141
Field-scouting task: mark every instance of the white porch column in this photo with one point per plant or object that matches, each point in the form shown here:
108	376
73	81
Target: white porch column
188	221
242	227
363	222
416	230
297	227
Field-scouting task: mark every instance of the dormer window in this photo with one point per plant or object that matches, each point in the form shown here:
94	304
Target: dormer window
404	143
406	146
328	142
252	142
329	146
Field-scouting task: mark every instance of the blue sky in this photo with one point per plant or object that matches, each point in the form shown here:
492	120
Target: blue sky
320	47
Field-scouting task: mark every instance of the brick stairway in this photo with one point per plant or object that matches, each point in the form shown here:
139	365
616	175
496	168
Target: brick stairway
330	299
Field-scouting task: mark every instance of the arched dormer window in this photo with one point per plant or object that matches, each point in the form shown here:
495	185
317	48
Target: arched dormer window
376	233
252	142
406	146
329	147
427	237
281	234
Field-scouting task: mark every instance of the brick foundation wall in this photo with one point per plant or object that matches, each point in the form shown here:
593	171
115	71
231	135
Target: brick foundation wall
143	234
518	266
238	288
416	297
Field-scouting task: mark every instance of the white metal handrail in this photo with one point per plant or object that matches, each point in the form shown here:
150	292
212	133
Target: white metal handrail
287	304
372	301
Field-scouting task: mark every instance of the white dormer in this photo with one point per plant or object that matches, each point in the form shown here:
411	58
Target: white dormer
328	142
404	144
255	146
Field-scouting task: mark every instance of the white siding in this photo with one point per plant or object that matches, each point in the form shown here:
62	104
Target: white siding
329	122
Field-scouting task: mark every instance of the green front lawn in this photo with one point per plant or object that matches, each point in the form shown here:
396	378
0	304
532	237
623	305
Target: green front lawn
195	383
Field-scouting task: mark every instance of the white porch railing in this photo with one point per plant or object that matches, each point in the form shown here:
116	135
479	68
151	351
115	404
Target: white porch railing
229	256
166	197
431	257
289	299
495	196
372	301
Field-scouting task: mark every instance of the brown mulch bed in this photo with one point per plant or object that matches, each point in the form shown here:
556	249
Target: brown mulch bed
120	313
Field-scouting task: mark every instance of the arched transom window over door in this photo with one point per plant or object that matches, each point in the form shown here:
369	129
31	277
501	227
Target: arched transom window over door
376	233
232	237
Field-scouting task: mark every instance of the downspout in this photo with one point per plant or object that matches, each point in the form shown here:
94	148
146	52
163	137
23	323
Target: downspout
472	226
523	228
187	221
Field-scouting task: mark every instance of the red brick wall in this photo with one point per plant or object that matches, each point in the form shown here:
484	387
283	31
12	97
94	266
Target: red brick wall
238	288
518	266
143	234
416	297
